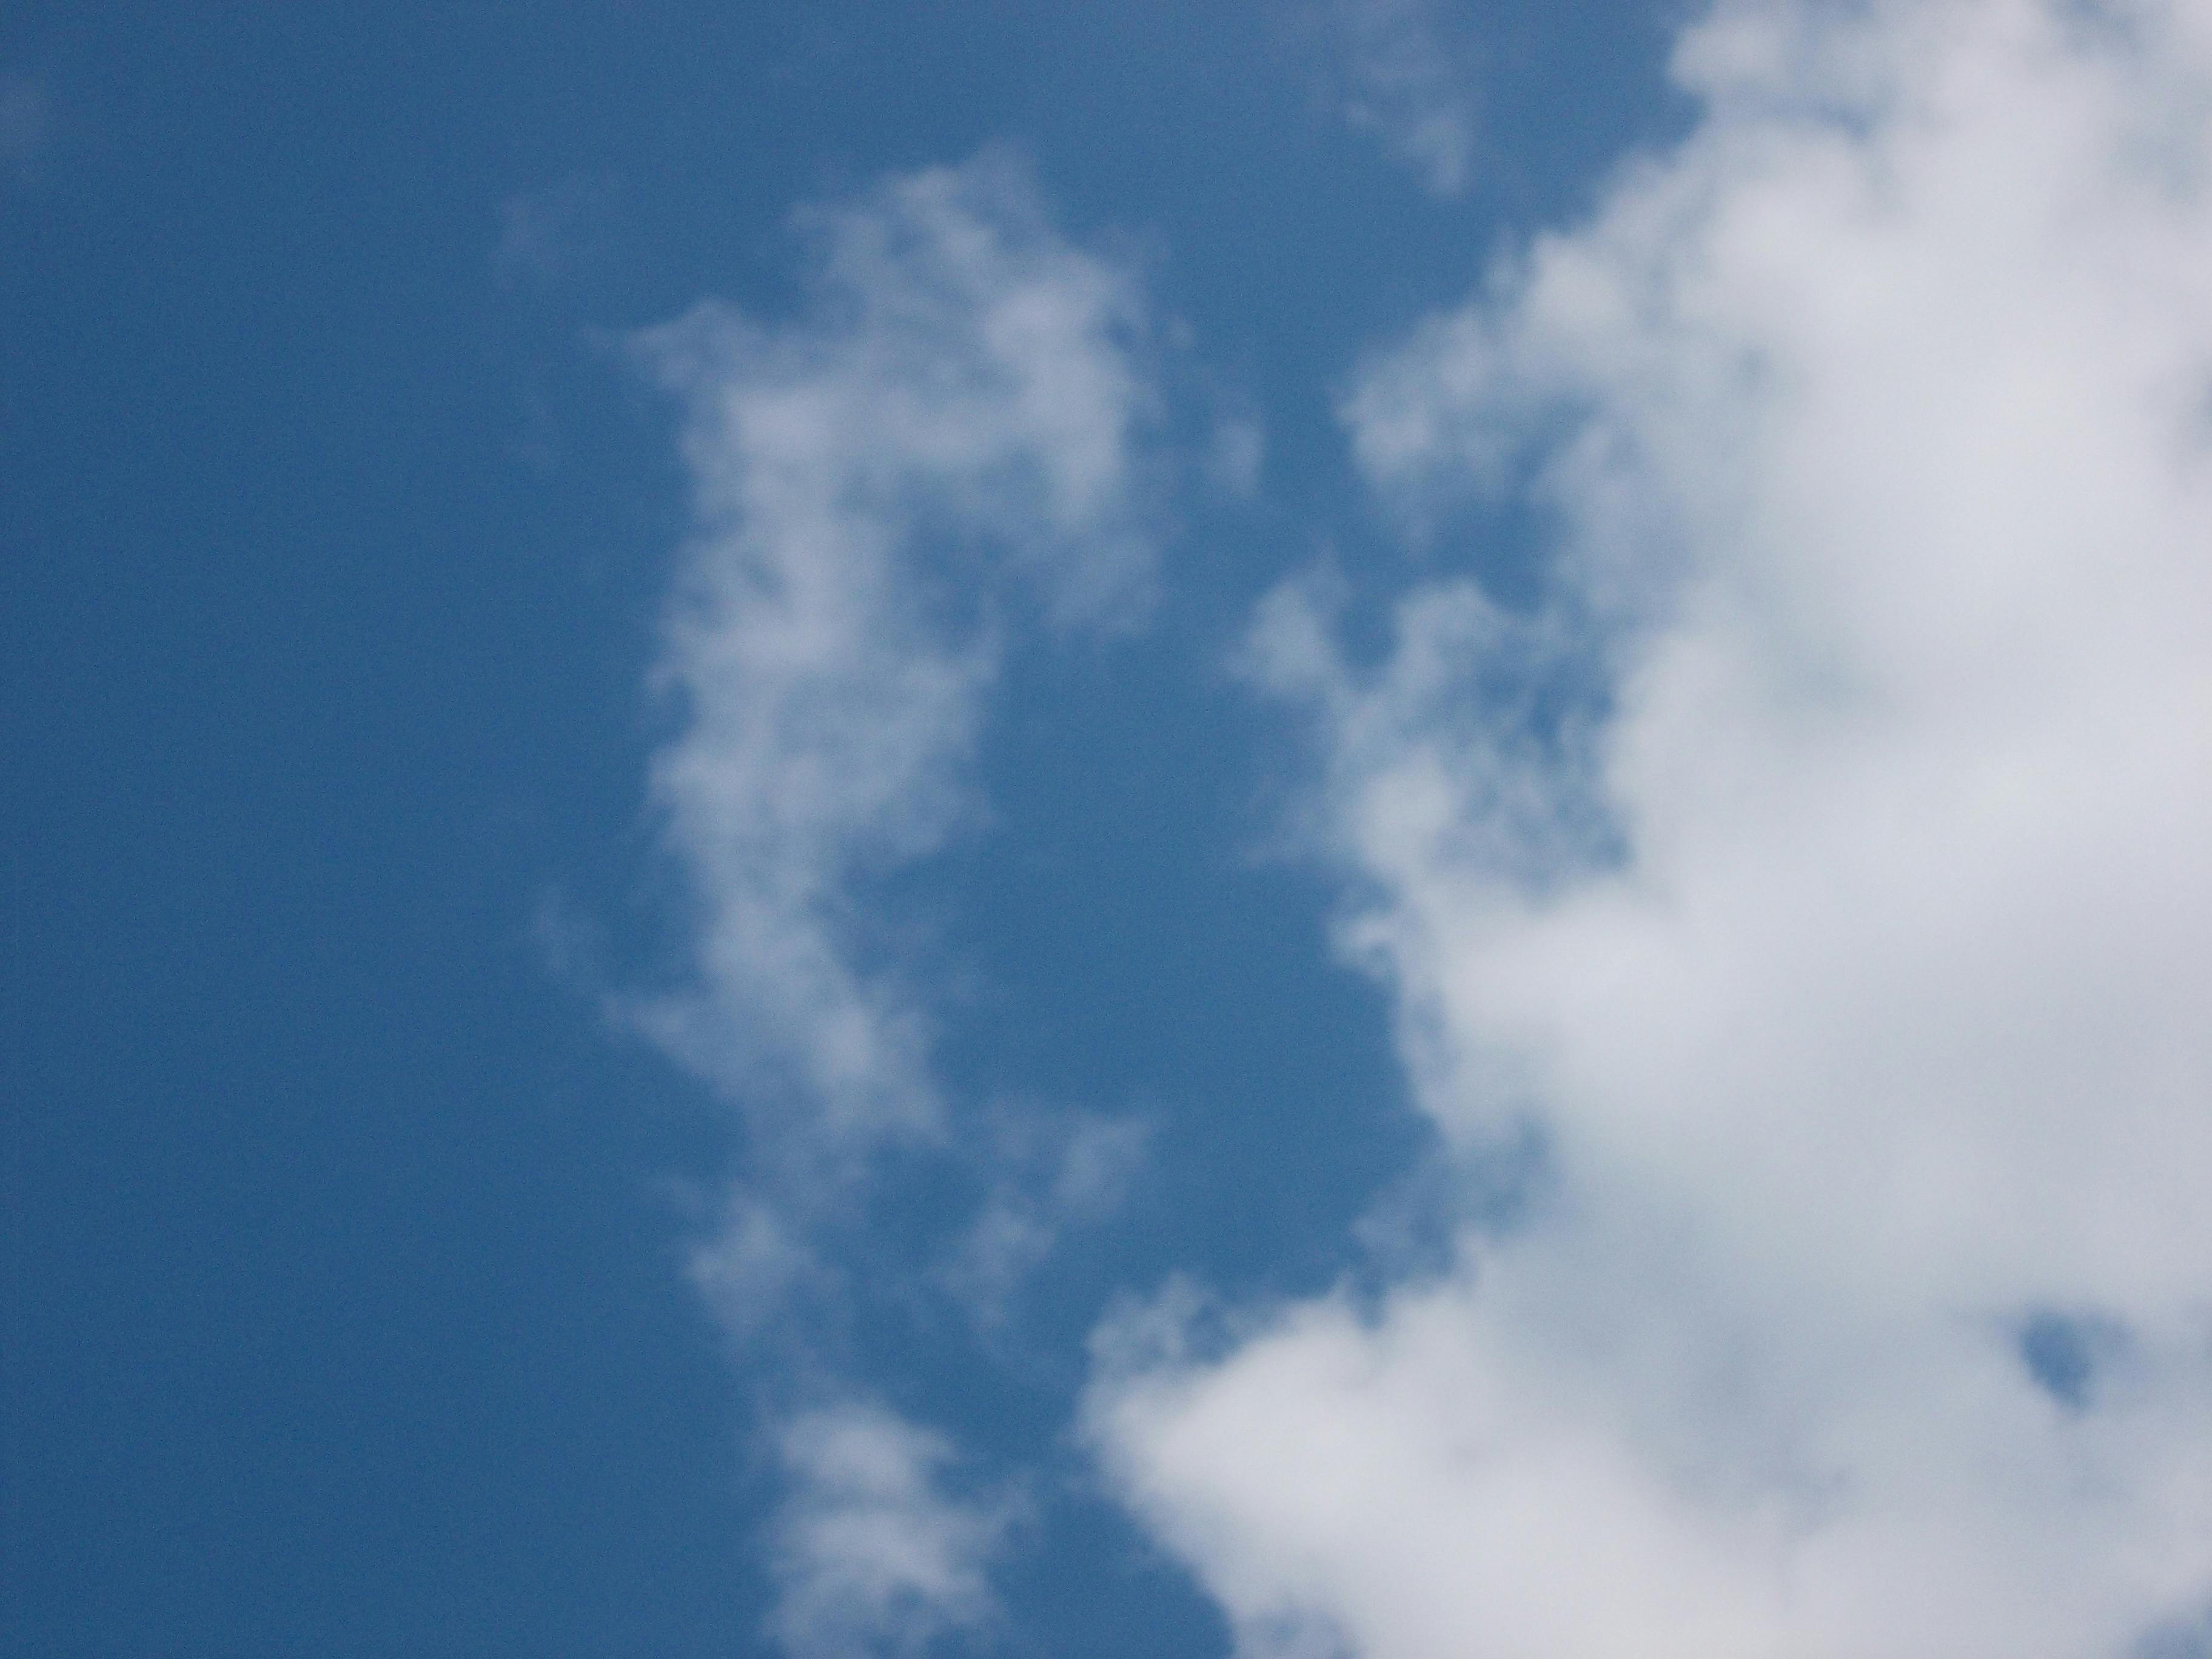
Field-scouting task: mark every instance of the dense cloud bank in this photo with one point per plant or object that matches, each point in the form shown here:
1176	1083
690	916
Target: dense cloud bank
1816	871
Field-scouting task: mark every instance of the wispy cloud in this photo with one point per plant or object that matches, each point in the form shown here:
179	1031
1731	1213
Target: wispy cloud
1410	80
1057	1172
1816	869
951	436
547	235
946	446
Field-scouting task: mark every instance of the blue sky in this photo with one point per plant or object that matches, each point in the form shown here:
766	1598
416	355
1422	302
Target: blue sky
1369	829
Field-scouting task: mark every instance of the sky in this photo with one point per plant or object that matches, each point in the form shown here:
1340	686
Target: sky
1365	830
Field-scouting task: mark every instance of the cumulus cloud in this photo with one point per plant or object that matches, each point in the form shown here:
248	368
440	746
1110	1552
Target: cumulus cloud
1814	873
1409	81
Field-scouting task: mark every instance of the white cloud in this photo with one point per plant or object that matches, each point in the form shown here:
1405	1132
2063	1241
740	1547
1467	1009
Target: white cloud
1819	868
949	434
1410	82
873	1553
949	441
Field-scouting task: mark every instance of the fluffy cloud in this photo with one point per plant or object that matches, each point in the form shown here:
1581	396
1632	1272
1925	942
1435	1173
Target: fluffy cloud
1815	873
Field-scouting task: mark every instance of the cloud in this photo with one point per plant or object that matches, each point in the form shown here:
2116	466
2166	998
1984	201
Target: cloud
1409	81
947	446
873	1554
1814	873
949	436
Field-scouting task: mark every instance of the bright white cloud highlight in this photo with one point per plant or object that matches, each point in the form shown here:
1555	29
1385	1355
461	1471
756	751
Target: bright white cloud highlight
1820	869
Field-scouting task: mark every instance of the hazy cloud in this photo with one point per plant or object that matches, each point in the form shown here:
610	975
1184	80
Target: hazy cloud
950	437
874	1550
1410	80
1056	1171
945	446
26	127
547	235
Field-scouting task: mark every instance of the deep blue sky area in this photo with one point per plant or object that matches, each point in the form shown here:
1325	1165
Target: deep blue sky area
345	1310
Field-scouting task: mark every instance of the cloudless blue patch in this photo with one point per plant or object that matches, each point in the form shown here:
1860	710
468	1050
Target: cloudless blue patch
2064	1353
2190	1638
